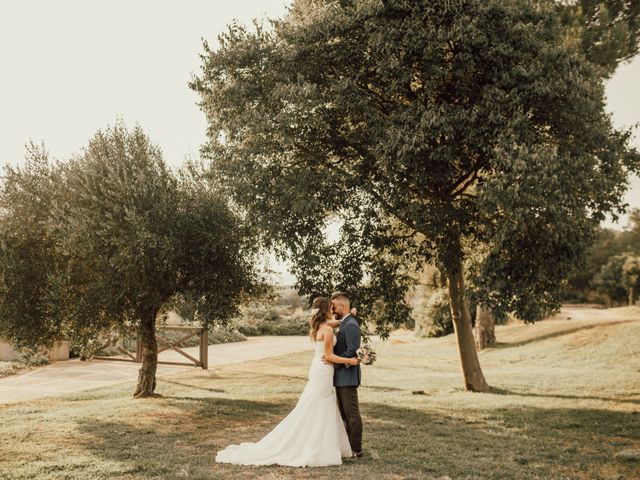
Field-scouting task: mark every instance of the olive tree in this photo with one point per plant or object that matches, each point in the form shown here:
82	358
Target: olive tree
130	238
28	253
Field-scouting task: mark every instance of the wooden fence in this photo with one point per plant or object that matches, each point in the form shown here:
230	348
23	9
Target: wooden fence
119	344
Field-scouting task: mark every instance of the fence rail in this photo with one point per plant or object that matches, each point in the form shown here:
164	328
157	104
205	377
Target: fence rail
203	353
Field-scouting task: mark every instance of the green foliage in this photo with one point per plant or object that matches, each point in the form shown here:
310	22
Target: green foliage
608	32
33	356
9	368
617	277
289	297
434	320
27	357
223	335
28	251
430	129
137	237
114	235
631	276
275	320
608	243
285	313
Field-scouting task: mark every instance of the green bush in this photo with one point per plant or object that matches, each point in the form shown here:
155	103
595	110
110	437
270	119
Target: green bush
433	318
250	327
257	321
216	336
285	314
33	357
9	368
27	357
295	324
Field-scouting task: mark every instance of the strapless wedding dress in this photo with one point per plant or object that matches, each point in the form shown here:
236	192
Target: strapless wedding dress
312	435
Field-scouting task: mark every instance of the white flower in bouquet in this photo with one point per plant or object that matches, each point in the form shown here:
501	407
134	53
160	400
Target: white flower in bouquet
366	354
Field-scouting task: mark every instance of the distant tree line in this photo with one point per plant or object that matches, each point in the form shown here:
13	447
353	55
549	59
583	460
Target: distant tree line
612	272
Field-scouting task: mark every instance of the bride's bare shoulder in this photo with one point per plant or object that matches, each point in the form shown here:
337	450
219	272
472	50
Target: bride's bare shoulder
322	331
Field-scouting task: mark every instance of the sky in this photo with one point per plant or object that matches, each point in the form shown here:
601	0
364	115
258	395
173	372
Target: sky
71	67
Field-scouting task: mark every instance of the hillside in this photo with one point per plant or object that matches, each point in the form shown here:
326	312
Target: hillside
580	349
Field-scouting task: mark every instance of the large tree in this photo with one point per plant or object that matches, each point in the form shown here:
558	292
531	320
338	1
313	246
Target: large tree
608	33
430	128
130	238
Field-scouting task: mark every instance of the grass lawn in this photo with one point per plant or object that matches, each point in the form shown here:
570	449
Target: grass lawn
565	401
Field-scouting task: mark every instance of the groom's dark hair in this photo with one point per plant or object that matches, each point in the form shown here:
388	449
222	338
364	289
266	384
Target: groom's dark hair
341	295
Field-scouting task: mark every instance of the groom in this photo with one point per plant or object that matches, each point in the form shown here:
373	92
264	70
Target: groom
346	380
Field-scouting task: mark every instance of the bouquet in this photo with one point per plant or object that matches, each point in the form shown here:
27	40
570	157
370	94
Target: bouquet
366	354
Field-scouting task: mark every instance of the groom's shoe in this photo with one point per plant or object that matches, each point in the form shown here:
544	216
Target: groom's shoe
356	454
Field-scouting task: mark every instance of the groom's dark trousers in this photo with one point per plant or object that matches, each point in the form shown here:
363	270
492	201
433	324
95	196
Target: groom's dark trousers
347	380
350	411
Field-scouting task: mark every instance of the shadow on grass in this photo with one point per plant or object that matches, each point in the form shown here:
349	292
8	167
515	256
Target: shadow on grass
502	391
258	375
197	387
559	334
522	443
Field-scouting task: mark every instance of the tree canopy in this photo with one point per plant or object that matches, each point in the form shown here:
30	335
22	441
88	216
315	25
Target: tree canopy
126	239
430	129
28	258
608	32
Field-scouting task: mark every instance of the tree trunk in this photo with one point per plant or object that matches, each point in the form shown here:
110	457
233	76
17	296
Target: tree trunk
149	346
471	371
485	328
631	296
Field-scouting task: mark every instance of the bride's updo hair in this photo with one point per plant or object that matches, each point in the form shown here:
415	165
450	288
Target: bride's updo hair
320	308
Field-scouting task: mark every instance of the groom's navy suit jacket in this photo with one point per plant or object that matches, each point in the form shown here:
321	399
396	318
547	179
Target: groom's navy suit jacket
347	343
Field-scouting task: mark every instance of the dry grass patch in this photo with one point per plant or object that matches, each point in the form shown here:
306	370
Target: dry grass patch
559	410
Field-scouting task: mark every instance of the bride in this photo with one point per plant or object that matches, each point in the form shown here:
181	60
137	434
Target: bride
313	434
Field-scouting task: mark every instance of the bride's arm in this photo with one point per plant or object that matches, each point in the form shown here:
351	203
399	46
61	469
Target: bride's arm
328	350
336	323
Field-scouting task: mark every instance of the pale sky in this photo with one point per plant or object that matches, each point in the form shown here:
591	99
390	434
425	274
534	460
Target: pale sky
70	67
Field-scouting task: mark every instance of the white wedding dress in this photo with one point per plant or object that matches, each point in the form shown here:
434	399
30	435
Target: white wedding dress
312	435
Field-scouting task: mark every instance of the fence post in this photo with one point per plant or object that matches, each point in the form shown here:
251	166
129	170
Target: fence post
204	348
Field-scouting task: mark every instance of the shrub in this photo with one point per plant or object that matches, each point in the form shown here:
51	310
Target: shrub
257	321
9	368
433	318
294	324
27	357
216	336
33	357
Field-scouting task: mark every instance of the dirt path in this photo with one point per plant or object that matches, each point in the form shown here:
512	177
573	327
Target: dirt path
74	376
